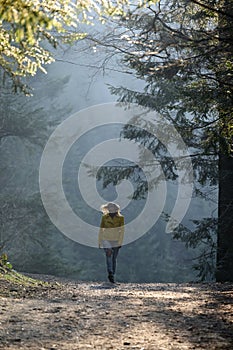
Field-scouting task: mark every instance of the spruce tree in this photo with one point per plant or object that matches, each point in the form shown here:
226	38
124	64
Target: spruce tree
182	51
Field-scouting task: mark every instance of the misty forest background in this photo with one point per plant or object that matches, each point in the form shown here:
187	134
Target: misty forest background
79	78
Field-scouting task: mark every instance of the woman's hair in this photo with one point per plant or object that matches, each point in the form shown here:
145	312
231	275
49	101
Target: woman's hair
110	208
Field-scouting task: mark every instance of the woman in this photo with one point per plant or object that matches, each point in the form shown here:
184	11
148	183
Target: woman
111	235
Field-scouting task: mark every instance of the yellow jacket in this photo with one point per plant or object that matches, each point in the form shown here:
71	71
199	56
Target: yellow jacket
111	229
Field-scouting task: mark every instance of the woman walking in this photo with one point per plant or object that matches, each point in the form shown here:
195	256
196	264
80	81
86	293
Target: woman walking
111	235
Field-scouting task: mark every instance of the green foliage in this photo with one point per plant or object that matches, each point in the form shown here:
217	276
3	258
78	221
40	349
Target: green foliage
24	26
28	215
5	265
22	281
28	27
24	119
175	48
24	130
182	51
202	236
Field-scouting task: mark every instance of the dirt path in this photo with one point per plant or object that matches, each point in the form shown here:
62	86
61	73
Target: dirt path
89	315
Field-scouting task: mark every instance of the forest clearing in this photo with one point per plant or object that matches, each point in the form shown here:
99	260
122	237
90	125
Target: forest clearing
67	314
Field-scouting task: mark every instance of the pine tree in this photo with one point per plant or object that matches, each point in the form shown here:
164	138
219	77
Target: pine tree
182	50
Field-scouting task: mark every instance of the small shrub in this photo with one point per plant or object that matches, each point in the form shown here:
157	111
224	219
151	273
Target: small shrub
5	265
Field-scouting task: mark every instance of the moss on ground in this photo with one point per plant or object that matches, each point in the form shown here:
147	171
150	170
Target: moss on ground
17	278
18	285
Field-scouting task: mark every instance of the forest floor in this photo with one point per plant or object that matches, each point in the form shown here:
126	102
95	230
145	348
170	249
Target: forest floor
68	315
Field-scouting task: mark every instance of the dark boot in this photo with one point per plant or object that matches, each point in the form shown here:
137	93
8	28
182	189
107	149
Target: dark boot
111	277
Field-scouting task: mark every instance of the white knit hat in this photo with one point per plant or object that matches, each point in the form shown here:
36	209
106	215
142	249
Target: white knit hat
110	208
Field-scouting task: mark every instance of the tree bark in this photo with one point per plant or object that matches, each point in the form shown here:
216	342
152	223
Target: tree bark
224	271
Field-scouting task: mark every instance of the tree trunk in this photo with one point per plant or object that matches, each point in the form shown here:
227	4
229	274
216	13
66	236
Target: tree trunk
224	270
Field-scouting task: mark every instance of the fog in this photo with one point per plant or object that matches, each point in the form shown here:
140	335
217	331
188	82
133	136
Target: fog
33	243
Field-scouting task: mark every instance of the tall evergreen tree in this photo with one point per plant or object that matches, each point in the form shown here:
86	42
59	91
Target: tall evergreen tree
225	208
182	50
